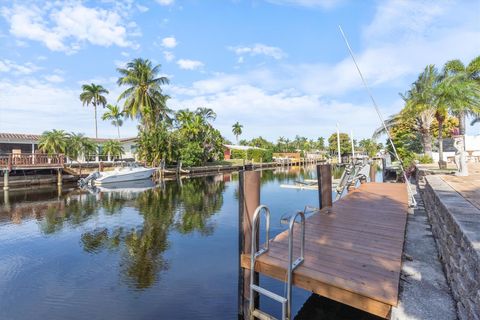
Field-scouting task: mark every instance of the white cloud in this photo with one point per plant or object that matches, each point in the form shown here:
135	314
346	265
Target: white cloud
66	26
308	3
165	2
259	49
55	78
33	106
9	66
267	112
169	56
169	42
187	64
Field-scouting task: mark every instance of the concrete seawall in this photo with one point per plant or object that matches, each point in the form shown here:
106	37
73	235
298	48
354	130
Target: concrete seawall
456	227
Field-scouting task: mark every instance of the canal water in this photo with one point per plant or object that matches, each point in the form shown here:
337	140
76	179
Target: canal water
141	251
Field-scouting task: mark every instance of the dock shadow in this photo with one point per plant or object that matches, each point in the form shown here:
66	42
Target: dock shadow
317	307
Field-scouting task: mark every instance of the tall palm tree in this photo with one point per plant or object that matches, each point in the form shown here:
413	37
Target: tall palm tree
143	98
206	113
237	130
52	142
94	94
115	115
468	72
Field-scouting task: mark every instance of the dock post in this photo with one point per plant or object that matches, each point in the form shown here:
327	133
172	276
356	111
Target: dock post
373	171
6	199
324	176
249	200
5	180
59	177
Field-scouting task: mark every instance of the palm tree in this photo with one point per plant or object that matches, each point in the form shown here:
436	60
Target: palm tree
113	148
94	94
78	145
470	72
143	95
115	115
206	114
237	130
53	142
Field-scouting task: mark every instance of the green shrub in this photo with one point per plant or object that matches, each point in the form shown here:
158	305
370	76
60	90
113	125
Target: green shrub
424	159
258	155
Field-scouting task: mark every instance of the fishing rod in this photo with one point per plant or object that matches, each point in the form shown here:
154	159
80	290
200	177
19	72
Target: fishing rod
410	192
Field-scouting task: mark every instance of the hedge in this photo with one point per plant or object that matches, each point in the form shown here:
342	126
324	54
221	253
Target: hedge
256	154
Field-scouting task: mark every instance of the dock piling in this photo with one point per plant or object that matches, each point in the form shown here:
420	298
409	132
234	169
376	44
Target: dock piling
324	176
59	178
249	200
5	180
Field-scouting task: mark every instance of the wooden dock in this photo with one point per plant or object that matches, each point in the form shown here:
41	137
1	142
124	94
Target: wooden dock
353	250
31	161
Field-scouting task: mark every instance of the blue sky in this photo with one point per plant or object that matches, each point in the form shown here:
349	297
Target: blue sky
279	67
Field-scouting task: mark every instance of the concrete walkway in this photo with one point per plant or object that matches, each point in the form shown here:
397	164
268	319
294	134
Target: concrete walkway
424	292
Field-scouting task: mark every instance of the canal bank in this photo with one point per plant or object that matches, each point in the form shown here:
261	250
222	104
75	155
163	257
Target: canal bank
453	208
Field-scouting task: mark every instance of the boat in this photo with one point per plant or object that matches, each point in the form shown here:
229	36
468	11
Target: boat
122	174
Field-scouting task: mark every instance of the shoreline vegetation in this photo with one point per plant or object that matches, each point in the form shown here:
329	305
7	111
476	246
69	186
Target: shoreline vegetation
434	106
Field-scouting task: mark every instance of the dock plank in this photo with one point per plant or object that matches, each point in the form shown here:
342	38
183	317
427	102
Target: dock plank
353	251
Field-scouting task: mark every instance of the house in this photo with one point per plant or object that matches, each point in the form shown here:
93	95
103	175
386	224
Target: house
28	143
227	153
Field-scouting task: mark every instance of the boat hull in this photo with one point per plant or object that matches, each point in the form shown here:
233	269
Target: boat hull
125	176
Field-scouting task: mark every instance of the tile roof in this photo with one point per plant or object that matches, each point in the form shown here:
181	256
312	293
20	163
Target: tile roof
21	137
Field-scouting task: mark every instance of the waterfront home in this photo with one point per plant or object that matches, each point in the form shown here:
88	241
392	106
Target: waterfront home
19	143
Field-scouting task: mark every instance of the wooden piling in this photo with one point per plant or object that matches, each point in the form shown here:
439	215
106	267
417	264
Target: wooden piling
5	180
324	176
59	177
249	200
373	172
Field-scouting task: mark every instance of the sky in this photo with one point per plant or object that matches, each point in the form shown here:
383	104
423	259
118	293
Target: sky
279	67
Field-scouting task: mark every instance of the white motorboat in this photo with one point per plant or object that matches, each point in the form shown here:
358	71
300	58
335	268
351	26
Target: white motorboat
124	174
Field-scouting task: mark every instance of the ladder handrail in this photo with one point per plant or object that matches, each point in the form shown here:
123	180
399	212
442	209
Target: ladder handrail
293	265
254	253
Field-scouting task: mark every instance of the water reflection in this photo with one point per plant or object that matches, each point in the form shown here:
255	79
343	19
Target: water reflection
132	251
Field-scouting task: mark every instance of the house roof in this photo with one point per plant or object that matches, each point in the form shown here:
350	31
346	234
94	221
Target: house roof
33	138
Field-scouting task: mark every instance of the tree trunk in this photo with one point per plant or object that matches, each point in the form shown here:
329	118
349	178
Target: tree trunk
427	143
96	130
461	122
118	131
441	163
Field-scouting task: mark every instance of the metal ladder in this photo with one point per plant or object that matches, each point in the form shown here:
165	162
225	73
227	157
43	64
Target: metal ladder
255	253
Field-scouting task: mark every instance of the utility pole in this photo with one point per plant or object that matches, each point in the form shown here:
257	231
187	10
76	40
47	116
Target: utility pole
353	145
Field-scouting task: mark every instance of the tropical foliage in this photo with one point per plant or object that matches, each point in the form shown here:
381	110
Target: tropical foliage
115	116
143	97
430	104
112	148
345	144
78	145
237	130
95	95
53	142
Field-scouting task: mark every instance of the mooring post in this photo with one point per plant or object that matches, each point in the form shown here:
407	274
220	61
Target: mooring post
373	171
6	199
5	180
324	177
249	200
59	177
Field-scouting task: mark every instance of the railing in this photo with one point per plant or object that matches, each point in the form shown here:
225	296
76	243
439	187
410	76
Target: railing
21	161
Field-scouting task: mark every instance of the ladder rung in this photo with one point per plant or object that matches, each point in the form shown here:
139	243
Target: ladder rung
262	315
269	294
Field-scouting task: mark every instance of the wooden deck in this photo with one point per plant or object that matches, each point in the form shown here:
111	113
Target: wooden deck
353	253
31	161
